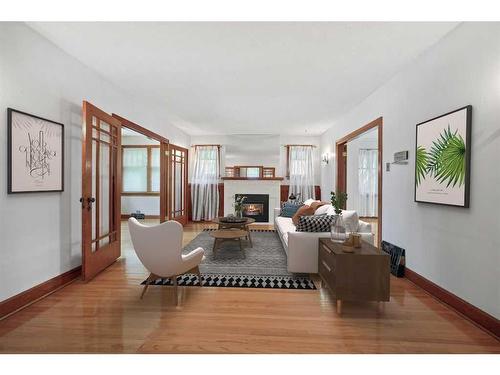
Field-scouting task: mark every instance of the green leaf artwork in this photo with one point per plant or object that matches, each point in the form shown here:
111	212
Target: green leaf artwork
421	164
445	161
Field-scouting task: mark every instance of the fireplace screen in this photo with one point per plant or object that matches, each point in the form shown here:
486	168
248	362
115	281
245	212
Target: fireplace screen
256	206
253	209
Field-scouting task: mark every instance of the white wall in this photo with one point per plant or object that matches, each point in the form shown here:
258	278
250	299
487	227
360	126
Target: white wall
267	156
147	205
456	248
40	233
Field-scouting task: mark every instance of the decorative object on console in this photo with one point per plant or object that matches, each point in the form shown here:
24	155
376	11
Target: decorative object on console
35	153
353	240
325	158
338	229
442	159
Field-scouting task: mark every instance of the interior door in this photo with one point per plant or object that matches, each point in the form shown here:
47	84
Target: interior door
101	180
177	184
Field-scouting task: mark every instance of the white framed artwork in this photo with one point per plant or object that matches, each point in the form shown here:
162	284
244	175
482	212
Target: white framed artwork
35	153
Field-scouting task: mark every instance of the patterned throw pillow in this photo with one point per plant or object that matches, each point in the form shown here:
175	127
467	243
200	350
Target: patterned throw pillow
315	223
302	211
289	209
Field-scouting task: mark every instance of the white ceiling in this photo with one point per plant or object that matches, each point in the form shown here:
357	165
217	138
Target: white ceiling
247	78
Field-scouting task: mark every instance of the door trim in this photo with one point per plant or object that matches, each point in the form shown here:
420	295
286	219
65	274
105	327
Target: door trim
341	171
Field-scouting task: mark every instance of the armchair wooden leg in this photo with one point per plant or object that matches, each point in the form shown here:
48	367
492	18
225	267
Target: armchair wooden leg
150	278
174	279
197	270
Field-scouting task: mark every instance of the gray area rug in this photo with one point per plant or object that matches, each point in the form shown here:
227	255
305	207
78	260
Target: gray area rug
266	257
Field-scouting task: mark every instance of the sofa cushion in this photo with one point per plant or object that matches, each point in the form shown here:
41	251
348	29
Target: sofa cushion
304	210
308	202
284	225
315	223
322	210
289	209
350	217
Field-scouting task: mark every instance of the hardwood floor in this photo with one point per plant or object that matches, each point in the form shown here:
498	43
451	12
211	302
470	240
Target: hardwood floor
106	315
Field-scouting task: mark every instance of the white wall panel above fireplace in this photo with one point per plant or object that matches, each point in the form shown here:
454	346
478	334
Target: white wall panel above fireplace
232	187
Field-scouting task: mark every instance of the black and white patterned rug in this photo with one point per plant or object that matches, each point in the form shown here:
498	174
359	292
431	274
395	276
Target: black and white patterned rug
240	281
262	266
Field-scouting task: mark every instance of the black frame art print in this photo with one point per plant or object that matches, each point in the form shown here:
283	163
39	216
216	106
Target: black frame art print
35	153
442	159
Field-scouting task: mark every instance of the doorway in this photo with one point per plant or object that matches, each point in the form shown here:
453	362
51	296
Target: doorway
359	173
149	189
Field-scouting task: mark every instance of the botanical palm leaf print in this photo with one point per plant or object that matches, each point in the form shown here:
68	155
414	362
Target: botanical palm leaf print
445	160
421	164
436	151
452	164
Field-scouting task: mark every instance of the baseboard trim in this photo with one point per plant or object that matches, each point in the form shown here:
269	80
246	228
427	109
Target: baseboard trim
484	320
26	298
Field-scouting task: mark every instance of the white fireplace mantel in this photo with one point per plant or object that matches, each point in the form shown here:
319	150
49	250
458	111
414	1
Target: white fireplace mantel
269	187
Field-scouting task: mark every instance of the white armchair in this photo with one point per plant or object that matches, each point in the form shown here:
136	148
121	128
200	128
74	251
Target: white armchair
159	248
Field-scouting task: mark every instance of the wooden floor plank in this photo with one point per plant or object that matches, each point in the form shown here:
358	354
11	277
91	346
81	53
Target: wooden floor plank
107	316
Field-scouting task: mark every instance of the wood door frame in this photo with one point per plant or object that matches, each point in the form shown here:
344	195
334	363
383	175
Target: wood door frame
341	168
171	146
164	142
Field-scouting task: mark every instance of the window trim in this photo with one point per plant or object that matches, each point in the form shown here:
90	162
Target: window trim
149	167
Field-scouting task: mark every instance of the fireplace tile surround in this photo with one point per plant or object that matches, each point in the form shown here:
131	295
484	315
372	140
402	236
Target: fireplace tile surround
257	187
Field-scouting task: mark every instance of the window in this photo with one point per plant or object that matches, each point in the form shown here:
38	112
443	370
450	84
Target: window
141	169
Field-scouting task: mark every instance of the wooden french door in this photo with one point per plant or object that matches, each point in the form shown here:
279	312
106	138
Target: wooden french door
177	183
164	191
101	185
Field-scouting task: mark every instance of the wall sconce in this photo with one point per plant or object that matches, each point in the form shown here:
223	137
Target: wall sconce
325	158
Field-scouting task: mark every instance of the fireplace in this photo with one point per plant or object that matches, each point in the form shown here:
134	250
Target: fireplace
256	206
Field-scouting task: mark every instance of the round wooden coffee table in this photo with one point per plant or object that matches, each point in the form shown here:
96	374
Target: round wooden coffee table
222	235
243	225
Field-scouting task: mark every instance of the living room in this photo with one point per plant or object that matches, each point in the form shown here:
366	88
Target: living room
276	198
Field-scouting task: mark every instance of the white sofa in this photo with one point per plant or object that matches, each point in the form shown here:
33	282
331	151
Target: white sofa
302	247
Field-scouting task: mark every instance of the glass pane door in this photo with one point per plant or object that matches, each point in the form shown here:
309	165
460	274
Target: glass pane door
177	182
100	190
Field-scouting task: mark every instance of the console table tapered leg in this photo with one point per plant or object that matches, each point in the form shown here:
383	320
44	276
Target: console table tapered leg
339	307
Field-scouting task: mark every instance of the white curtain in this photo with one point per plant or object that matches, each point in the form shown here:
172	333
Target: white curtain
204	184
301	168
368	182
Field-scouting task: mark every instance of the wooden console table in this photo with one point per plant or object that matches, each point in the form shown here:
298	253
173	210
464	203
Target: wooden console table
363	275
